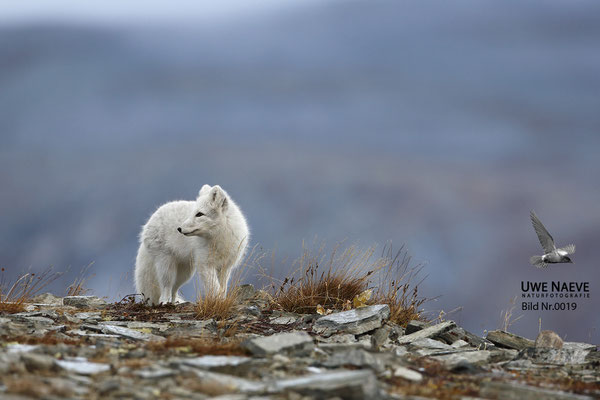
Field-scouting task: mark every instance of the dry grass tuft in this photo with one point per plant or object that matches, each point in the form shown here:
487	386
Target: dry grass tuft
318	279
216	306
77	288
507	316
396	287
333	281
14	296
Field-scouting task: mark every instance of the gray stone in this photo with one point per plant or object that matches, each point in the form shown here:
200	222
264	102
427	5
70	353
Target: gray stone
513	391
414	326
47	298
114	323
161	327
459	343
131	333
84	301
57	328
509	340
227	383
500	355
79	332
8	361
20	348
341	338
283	320
519	365
291	342
430	344
426	346
428	332
154	373
38	320
245	292
380	337
82	366
251	310
548	339
96	315
473	340
37	362
408	374
357	358
547	355
348	385
477	357
208	324
579	346
234	365
357	321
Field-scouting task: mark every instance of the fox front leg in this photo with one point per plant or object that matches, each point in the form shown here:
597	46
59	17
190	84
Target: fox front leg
211	281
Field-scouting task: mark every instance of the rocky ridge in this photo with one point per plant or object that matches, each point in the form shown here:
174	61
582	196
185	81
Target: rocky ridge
79	347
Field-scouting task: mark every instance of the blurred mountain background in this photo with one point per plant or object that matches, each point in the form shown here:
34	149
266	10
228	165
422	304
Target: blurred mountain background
438	125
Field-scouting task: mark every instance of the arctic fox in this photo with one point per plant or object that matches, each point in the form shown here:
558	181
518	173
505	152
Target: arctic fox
209	235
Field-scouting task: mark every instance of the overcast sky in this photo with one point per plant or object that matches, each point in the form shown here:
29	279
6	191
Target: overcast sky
137	11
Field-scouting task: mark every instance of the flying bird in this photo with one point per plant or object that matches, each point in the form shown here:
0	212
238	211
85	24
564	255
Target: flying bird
552	255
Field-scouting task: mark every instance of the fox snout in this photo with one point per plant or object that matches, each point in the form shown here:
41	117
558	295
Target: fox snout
179	230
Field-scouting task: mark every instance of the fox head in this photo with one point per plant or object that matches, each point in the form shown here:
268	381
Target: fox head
208	212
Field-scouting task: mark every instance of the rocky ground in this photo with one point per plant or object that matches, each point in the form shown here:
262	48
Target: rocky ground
80	347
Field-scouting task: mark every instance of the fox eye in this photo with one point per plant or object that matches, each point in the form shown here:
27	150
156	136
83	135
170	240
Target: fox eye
199	214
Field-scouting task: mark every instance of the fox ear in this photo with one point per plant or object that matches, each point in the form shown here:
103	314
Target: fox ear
218	197
205	188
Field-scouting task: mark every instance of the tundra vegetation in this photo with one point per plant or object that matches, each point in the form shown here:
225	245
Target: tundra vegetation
346	323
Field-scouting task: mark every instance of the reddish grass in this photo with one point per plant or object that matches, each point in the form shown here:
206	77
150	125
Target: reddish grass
396	287
333	281
14	296
330	281
77	288
216	306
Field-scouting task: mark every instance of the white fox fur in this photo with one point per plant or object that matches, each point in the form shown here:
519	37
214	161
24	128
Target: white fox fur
209	235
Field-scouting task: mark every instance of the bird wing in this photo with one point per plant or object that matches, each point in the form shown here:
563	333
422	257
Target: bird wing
546	239
570	249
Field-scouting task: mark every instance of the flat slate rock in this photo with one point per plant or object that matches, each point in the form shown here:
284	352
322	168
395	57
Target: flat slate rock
415	325
408	374
469	357
131	333
82	366
84	301
224	383
227	364
155	373
509	340
356	321
348	385
547	355
428	332
580	346
296	342
357	358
